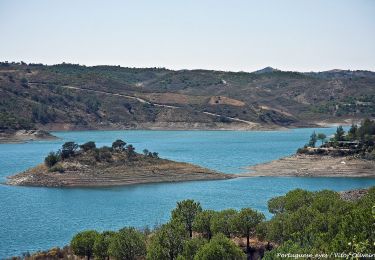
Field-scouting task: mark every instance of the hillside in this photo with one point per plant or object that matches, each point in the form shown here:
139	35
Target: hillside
68	96
88	166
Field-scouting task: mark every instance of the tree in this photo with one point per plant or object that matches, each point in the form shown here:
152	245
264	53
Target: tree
191	247
246	222
68	149
222	222
118	145
131	150
88	146
339	135
352	133
220	247
82	243
155	155
167	242
276	205
127	244
101	245
146	152
185	212
366	129
321	137
51	159
313	139
203	223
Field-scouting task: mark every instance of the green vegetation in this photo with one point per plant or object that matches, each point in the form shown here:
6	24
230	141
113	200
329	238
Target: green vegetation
101	244
303	222
245	223
322	137
359	141
51	159
320	222
90	154
127	244
186	212
220	247
82	244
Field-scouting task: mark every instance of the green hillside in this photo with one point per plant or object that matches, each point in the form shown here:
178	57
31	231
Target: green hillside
68	96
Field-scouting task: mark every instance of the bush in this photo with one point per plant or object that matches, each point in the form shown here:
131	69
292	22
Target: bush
51	159
220	247
56	168
103	154
88	146
68	149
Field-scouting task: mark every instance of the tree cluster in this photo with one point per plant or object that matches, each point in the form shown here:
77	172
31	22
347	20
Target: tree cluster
191	233
102	154
359	140
319	222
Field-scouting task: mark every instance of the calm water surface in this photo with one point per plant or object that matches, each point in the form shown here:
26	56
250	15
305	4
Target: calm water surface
39	218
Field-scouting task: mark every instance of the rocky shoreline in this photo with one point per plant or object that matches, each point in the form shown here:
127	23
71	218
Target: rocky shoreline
303	165
21	136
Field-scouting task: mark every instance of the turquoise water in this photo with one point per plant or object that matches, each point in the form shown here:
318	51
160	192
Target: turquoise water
39	218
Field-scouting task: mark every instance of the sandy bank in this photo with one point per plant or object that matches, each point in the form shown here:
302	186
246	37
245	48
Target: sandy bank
315	166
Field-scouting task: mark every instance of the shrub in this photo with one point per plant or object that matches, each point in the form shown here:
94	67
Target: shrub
51	159
68	149
56	168
88	146
118	145
220	247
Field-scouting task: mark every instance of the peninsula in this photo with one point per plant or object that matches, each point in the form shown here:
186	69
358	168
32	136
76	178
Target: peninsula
350	154
24	135
87	166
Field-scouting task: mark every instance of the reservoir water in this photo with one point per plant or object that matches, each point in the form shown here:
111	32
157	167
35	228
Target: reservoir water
40	218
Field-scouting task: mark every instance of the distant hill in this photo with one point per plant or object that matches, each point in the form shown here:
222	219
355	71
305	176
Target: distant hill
69	96
265	70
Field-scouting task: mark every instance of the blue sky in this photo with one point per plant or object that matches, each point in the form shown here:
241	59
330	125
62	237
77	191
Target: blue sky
232	35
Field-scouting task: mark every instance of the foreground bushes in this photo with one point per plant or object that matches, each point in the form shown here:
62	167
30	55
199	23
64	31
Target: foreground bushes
303	222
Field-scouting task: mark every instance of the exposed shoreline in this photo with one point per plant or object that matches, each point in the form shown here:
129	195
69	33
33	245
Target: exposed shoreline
301	165
22	136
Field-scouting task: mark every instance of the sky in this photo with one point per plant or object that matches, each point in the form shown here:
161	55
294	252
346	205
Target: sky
236	35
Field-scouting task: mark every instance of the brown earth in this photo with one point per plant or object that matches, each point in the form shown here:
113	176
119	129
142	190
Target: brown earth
302	165
221	100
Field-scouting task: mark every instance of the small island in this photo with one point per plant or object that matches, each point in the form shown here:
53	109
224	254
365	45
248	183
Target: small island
88	166
350	154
